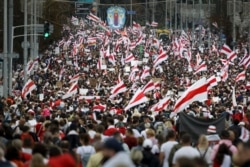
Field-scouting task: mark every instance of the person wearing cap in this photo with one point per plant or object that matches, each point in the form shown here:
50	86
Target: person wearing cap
212	136
114	154
149	158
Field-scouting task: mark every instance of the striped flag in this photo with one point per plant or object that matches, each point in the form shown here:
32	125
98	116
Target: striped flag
202	67
119	88
138	98
241	76
72	91
28	88
225	49
196	92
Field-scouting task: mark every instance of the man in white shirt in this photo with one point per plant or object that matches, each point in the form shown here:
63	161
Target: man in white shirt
167	147
186	151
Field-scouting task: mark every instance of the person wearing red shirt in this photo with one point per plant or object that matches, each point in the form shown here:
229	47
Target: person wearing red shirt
111	128
40	128
130	140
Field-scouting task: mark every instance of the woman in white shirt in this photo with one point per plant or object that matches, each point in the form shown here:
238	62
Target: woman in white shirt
86	150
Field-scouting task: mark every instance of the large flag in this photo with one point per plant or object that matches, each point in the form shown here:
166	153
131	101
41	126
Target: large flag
72	91
196	92
160	58
129	58
28	88
241	76
138	98
119	88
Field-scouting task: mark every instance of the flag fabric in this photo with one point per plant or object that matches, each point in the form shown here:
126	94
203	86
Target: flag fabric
198	59
145	73
212	81
89	98
225	49
31	64
138	98
148	87
28	88
154	24
196	92
232	56
244	59
99	63
129	58
215	24
72	91
202	67
99	107
160	58
74	20
224	75
93	18
241	76
162	104
61	73
119	88
75	78
234	98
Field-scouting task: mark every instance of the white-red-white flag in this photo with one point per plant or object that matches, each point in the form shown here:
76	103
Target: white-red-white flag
138	98
154	24
93	18
160	58
75	78
148	87
198	59
145	73
89	98
196	92
224	75
119	88
225	49
232	56
28	88
162	104
241	76
201	67
211	82
129	58
72	91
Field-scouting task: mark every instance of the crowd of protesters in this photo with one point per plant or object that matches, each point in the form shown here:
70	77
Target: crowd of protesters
90	129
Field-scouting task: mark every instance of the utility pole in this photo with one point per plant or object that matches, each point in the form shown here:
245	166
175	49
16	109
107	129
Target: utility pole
170	14
234	34
175	17
31	29
5	50
25	43
200	2
35	37
153	12
209	26
181	15
131	17
10	51
146	11
193	19
166	15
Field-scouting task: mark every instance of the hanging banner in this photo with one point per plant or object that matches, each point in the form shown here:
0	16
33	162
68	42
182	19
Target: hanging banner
116	17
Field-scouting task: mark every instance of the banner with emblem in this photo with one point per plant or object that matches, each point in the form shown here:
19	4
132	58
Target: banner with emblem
116	17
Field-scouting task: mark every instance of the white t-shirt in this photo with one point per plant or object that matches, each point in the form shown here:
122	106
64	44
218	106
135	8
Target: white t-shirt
166	149
85	150
187	152
92	133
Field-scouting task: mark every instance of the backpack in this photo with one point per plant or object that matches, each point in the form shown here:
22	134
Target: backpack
85	158
159	129
204	154
172	152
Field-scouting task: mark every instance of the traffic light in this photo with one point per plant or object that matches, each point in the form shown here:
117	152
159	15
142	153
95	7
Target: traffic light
46	30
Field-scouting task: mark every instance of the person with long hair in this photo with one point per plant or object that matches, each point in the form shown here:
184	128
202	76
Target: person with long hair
204	149
223	157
